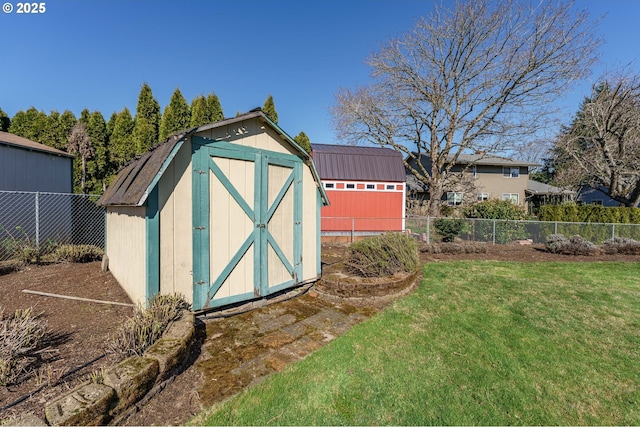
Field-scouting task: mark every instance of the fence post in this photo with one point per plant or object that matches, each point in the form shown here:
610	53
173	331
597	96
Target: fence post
37	227
494	231
428	229
613	231
555	227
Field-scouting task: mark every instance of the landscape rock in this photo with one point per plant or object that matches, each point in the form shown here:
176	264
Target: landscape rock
87	405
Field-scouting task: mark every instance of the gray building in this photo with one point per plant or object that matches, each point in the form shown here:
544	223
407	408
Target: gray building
26	165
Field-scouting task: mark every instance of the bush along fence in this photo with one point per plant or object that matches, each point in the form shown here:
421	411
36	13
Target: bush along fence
494	231
35	224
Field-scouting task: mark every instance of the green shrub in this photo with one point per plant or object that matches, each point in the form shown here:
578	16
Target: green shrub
383	255
496	209
450	228
147	325
571	212
507	228
78	253
19	335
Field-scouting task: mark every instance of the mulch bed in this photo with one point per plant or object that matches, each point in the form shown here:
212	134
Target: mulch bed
77	330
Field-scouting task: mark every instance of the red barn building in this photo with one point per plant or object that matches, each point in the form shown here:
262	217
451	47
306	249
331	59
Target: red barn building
365	187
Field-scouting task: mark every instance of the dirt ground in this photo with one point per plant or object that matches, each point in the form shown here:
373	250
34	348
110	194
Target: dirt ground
79	330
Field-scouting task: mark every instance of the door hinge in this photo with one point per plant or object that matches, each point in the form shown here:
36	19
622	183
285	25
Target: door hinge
262	225
201	282
201	172
201	227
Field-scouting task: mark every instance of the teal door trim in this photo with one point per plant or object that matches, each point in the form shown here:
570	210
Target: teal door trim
205	287
152	232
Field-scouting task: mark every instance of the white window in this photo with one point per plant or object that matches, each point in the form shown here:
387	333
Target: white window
329	185
512	197
454	198
351	186
510	172
391	187
482	197
371	187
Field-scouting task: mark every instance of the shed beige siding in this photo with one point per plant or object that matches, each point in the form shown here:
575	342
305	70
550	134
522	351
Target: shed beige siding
311	204
174	204
126	249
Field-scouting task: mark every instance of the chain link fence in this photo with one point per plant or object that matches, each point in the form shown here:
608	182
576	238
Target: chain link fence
492	231
46	220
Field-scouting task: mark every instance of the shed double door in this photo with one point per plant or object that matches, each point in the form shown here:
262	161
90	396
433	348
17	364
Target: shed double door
247	214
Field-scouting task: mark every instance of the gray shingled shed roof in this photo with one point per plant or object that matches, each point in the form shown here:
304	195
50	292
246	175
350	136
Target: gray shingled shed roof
137	178
536	187
358	163
10	139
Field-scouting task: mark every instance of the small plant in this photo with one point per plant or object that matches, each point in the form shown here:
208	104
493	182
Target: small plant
20	246
621	245
383	255
19	335
450	228
575	245
78	253
147	325
97	376
556	243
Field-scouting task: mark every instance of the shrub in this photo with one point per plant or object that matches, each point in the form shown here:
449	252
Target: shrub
78	253
556	243
147	325
383	255
19	334
507	229
621	245
575	245
450	228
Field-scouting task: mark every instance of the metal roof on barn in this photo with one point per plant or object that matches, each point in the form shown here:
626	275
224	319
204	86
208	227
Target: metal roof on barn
357	163
10	139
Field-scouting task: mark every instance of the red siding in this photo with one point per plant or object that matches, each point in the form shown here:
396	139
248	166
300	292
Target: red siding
372	210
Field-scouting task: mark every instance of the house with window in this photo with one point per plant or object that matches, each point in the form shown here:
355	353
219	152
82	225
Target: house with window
478	177
365	187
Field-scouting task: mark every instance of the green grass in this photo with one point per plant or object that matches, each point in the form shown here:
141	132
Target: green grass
489	343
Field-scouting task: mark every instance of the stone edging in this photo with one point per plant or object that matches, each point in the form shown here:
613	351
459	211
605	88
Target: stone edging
413	280
126	383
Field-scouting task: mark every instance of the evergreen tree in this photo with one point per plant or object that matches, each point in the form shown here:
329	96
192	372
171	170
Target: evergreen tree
214	108
84	116
147	120
111	124
80	143
121	146
31	124
176	116
98	167
66	121
269	109
5	121
303	141
199	111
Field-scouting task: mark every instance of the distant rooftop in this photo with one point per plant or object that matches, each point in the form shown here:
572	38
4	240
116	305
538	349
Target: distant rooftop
357	163
7	138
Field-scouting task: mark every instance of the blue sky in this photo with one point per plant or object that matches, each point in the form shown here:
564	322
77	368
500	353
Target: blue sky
97	53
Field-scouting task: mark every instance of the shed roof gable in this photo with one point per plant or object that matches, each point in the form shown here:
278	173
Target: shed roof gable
137	178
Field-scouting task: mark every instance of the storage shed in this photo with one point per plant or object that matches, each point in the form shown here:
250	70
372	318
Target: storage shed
222	213
366	188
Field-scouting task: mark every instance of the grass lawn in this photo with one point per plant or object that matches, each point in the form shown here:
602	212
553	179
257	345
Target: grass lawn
488	343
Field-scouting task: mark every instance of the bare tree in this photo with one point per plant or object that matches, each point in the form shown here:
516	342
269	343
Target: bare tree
602	146
475	78
79	142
